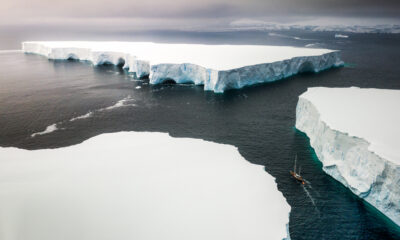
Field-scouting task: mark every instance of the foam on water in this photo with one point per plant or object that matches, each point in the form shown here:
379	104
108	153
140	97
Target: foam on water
49	129
10	51
125	102
87	115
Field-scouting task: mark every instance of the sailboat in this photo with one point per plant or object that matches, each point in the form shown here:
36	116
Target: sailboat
297	176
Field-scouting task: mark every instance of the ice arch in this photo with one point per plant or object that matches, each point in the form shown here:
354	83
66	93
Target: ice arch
168	81
104	59
307	67
72	57
120	62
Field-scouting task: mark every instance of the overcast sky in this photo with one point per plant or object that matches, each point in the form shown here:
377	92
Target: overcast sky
186	12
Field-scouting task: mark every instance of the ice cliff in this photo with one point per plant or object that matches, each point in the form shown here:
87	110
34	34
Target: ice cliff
217	67
355	134
120	186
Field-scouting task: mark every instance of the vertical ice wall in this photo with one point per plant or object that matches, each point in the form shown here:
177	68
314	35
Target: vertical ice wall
216	77
348	158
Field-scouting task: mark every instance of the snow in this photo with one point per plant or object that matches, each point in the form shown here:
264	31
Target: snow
217	67
355	135
132	185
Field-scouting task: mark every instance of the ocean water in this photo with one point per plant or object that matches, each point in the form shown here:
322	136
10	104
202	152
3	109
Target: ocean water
49	104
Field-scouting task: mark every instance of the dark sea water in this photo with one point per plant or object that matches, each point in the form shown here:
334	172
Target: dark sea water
259	120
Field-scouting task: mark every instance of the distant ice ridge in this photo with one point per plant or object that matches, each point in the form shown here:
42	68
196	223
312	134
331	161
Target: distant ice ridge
217	67
10	51
120	186
355	134
353	25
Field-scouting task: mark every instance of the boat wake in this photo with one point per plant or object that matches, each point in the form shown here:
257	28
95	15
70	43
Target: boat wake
310	197
310	186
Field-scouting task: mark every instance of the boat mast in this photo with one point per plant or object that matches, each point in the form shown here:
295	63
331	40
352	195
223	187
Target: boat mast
295	160
299	170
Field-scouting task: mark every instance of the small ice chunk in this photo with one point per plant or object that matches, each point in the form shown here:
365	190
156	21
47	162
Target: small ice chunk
49	129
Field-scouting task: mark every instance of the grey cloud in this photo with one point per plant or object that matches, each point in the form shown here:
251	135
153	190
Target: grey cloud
29	10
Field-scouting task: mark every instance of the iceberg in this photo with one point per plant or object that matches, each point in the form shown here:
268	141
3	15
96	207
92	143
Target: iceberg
138	185
355	134
216	67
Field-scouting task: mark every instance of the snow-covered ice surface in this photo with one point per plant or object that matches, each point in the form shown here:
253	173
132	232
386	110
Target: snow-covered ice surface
355	134
132	185
217	67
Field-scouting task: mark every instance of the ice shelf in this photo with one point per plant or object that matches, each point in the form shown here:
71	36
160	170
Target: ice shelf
217	67
355	134
132	185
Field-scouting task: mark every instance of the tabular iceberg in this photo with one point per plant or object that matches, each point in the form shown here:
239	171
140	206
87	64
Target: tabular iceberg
132	185
217	67
355	134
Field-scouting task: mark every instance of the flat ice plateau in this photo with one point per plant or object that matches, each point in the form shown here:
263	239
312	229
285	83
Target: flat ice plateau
355	134
132	185
217	67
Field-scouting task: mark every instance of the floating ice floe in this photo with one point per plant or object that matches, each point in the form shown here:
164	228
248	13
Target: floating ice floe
217	67
312	45
132	185
355	134
49	129
341	36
